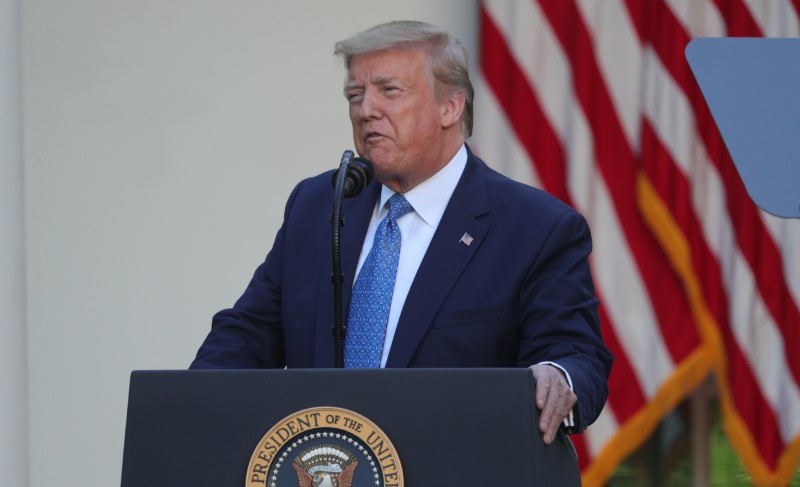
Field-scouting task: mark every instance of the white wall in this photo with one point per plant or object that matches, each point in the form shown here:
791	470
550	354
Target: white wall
13	363
161	140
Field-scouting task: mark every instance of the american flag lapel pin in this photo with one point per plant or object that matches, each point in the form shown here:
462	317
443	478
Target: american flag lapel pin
466	239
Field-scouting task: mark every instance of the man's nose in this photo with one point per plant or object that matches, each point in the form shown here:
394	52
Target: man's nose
370	106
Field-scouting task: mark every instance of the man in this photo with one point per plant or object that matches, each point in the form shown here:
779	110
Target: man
483	272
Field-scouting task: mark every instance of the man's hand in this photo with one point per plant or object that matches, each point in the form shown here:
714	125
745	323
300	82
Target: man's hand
554	399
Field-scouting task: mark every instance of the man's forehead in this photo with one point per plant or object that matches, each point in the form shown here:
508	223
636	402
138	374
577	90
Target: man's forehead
400	51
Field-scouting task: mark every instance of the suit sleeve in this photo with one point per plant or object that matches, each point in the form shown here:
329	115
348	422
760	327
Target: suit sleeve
559	316
250	334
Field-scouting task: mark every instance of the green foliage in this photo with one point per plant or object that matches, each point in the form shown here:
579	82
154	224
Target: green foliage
665	462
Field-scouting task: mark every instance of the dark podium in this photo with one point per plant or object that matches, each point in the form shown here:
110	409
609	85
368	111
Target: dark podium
448	428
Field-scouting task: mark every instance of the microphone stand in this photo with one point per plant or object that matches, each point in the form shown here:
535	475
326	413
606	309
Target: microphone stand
337	277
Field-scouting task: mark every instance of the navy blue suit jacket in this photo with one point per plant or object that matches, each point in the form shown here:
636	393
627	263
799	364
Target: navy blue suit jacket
521	293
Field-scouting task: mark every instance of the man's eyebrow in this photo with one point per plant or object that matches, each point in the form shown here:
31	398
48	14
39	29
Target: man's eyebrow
382	80
377	80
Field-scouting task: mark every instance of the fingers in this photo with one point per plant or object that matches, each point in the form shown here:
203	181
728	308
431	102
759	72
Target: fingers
556	407
554	399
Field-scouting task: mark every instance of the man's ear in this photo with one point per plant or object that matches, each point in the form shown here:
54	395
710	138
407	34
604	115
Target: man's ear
452	108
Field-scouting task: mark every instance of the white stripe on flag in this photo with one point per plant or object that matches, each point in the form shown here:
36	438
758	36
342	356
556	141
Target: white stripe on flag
700	18
601	432
777	18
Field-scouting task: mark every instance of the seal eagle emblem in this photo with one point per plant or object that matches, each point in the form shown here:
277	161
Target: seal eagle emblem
325	466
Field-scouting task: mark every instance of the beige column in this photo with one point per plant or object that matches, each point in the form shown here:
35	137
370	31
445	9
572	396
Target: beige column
13	346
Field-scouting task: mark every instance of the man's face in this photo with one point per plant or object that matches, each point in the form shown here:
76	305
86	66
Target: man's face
396	117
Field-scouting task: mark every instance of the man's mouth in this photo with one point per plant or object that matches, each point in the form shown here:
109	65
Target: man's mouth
372	136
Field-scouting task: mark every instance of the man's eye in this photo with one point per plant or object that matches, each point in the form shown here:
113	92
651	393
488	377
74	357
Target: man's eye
354	97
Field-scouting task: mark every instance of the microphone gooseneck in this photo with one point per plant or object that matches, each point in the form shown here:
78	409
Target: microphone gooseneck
353	175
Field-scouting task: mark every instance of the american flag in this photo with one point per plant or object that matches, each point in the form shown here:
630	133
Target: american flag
593	101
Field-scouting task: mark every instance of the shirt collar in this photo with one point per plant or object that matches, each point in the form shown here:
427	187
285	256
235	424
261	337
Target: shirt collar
430	197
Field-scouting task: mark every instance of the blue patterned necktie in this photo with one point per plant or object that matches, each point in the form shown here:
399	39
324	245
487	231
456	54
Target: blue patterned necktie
372	292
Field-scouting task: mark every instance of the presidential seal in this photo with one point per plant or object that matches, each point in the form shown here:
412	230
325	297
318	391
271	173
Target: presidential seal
324	447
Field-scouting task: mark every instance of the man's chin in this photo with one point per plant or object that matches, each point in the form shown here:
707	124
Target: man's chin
379	158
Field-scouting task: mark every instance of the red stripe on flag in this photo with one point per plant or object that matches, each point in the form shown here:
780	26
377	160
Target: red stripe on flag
738	17
582	450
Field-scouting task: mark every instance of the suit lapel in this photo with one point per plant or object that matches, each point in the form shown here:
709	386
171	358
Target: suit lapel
357	213
444	261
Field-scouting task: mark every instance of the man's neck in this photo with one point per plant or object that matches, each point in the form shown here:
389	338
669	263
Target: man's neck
449	148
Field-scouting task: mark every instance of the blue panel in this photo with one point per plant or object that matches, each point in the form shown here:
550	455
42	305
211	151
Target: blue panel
752	86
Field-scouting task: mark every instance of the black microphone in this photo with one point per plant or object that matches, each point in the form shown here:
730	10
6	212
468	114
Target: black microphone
359	174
